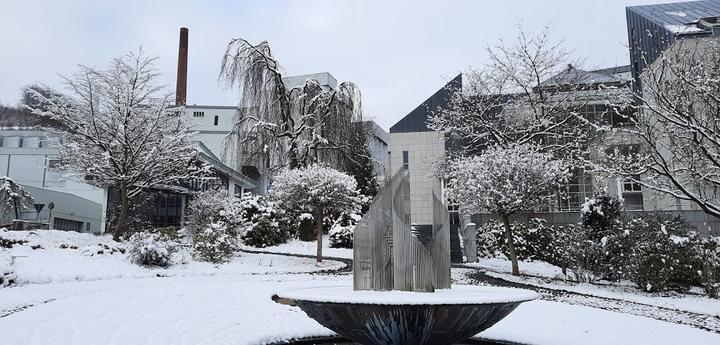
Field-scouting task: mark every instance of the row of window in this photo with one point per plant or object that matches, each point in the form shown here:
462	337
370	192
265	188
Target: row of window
21	142
202	114
580	187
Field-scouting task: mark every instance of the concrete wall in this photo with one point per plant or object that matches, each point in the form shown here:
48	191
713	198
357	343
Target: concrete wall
67	206
423	149
204	126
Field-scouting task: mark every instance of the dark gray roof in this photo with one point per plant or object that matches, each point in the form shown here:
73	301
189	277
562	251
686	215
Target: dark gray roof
415	121
614	70
574	76
679	17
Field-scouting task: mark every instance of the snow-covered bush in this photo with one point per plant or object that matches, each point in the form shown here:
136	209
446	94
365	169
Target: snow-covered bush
306	227
585	254
151	249
341	232
260	222
214	244
264	233
709	259
534	240
13	199
207	207
7	274
601	213
655	251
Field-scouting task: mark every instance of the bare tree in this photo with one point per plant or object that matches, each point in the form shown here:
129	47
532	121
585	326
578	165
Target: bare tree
531	92
673	144
277	127
119	129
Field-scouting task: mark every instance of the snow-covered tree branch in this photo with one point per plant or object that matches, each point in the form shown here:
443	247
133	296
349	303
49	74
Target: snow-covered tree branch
278	127
318	190
505	181
119	129
529	93
673	145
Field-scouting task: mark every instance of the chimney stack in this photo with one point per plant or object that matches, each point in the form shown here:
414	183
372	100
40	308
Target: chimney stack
181	84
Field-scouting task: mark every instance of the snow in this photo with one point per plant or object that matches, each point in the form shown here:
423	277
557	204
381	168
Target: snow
683	28
238	310
82	302
547	276
51	264
532	268
543	322
459	294
307	248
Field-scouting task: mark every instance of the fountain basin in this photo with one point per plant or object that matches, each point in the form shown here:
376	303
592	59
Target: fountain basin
444	317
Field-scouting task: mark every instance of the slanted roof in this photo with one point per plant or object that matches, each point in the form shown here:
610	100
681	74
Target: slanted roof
575	76
679	18
415	121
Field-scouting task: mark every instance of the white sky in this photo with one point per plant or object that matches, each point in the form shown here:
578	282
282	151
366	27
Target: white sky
398	52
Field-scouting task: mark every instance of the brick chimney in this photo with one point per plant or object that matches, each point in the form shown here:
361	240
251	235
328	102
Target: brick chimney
181	84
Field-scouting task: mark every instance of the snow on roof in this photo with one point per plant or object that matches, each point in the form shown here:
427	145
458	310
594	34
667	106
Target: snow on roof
574	76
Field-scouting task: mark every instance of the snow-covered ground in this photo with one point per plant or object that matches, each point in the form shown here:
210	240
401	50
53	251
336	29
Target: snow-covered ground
68	256
547	276
91	298
307	248
237	310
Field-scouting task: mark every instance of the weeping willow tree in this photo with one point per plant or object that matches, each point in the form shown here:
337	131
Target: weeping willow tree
278	127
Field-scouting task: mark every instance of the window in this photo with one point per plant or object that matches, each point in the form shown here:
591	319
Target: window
2	141
53	163
406	160
198	114
41	143
215	121
238	191
574	193
67	224
21	141
632	194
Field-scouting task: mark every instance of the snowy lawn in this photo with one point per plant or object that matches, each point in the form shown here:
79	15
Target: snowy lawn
545	275
307	248
235	310
68	256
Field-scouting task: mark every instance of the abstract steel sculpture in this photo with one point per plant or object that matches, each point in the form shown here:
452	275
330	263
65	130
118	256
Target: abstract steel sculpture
389	255
395	274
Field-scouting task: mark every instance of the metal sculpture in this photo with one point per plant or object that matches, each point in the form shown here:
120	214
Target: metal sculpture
389	255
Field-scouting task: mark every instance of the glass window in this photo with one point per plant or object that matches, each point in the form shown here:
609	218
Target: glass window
2	141
238	191
198	113
215	121
406	160
21	141
574	193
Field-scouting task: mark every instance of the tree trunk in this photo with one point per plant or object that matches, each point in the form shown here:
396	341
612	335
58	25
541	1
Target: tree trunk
511	245
121	226
17	215
319	232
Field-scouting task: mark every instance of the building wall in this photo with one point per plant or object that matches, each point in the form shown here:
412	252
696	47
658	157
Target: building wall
423	149
29	166
204	127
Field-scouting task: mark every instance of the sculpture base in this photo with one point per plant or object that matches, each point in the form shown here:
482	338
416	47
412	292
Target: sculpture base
444	317
343	341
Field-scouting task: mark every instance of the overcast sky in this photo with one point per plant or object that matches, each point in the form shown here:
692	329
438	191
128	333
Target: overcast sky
398	52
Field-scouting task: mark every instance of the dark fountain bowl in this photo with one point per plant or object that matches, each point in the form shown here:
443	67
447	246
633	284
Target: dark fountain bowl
443	317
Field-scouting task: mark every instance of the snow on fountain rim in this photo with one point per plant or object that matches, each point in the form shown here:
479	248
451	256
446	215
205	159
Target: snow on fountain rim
458	294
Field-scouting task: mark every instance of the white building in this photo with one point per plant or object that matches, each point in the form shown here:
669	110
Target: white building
26	156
